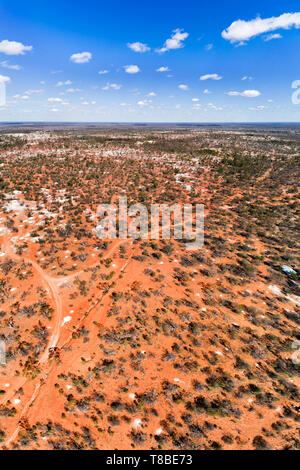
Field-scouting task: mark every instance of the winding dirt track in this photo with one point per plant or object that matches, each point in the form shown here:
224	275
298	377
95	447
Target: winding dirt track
53	284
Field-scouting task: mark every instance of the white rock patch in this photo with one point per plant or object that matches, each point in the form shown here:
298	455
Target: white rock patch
66	320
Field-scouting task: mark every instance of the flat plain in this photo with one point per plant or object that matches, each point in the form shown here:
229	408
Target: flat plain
141	344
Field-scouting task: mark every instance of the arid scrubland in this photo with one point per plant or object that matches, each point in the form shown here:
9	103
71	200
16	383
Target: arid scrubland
120	344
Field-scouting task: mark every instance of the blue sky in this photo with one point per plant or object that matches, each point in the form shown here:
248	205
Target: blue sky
219	61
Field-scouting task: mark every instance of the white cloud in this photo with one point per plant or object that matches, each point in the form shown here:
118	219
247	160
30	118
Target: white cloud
211	76
13	47
54	110
113	86
54	100
195	99
73	90
81	57
241	30
6	65
209	47
163	69
258	108
175	41
246	93
247	78
183	87
143	103
33	92
138	47
4	79
131	69
151	93
214	107
269	37
67	82
206	91
103	72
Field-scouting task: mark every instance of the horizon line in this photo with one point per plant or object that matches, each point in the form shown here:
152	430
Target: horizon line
149	122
